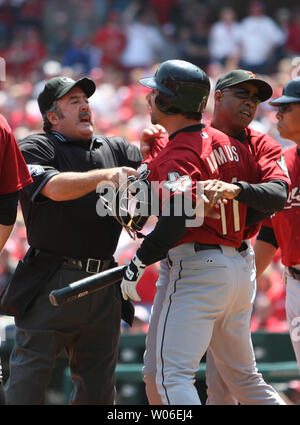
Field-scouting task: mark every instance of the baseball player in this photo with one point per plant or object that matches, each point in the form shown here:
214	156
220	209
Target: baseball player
210	284
14	176
282	229
230	117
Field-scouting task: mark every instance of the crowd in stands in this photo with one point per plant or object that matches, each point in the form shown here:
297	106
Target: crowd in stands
118	42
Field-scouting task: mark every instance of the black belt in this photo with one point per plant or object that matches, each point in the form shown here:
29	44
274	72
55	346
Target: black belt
294	272
201	247
90	265
242	247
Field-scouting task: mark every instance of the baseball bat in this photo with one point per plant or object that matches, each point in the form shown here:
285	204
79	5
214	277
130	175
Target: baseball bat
86	286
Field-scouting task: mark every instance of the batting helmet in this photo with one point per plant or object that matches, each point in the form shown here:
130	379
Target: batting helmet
183	87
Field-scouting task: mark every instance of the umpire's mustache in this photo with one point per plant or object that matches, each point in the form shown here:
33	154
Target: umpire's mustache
85	115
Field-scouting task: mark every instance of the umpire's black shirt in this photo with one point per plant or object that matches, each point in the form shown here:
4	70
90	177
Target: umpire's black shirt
71	228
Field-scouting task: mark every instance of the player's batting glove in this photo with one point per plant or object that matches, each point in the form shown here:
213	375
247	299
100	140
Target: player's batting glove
133	273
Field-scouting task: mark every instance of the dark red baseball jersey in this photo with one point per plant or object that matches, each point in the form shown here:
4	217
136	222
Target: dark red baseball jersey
14	174
268	155
158	144
286	223
199	153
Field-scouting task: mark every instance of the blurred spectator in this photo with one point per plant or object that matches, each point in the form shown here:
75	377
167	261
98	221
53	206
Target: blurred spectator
109	96
224	38
57	26
8	20
78	54
84	19
171	49
141	320
293	40
17	245
120	5
59	43
144	41
260	35
30	13
25	53
110	39
193	10
7	268
35	50
14	55
283	18
194	42
269	305
263	319
139	116
50	69
166	11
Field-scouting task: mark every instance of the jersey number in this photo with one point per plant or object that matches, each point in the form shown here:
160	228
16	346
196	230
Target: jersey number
236	215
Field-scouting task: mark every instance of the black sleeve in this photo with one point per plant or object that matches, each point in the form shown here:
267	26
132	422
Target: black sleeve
8	208
267	234
169	229
264	197
39	154
128	154
254	216
134	155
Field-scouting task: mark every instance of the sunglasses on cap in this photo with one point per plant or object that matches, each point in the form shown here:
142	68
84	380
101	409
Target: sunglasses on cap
244	94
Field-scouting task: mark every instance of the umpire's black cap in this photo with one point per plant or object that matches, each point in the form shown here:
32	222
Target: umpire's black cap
290	93
238	76
59	86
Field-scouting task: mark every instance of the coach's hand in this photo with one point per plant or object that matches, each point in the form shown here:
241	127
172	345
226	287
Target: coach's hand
218	191
133	274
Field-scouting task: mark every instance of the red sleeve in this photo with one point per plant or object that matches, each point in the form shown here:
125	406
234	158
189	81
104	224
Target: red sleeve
14	174
267	222
159	144
269	158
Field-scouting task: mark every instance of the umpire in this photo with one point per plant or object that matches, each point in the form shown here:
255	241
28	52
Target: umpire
68	241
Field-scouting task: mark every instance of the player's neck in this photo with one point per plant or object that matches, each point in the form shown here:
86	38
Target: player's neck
175	123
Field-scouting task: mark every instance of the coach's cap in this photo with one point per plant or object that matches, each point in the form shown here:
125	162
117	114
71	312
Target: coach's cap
238	76
290	93
59	86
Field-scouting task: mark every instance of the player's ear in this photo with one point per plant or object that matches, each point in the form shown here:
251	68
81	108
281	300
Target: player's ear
218	97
